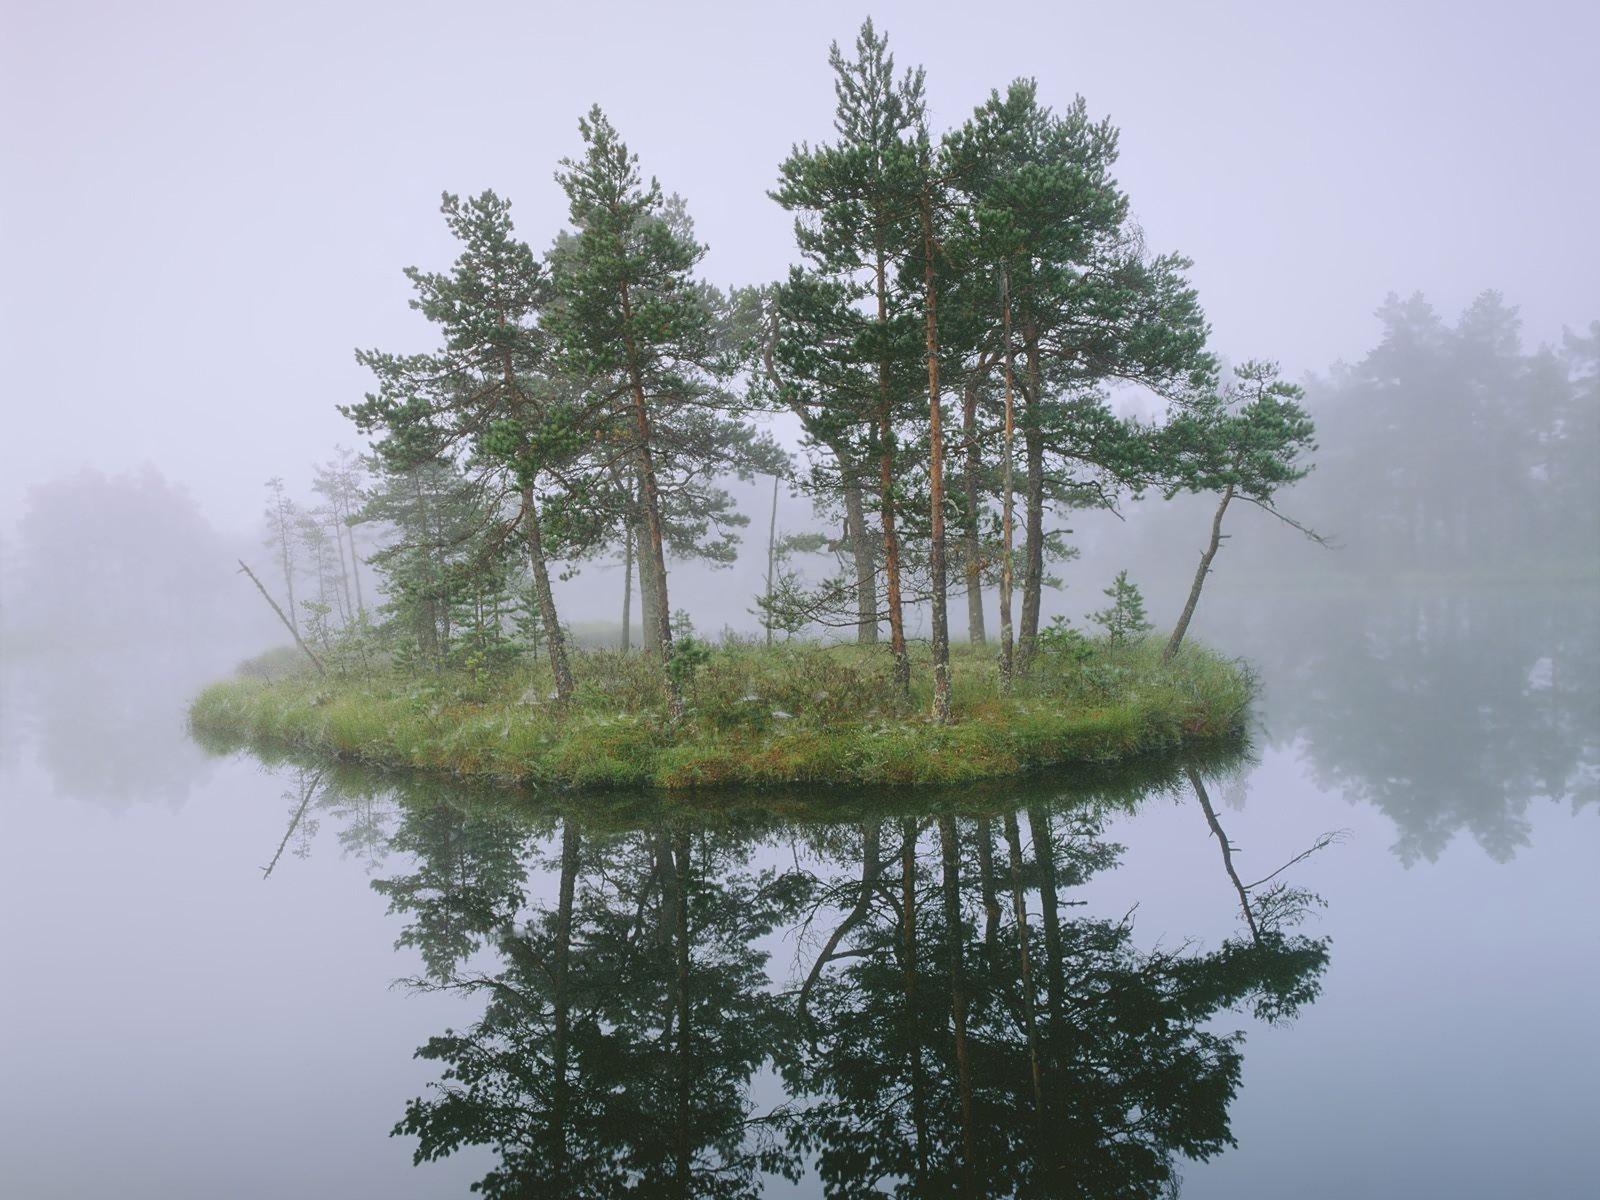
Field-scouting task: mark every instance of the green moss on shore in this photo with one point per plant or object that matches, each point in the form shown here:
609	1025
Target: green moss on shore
798	713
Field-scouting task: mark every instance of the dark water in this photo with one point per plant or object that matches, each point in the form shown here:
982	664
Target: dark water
1409	1011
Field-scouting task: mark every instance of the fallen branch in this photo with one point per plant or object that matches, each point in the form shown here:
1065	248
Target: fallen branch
287	624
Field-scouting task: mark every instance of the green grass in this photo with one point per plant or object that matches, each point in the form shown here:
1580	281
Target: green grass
802	713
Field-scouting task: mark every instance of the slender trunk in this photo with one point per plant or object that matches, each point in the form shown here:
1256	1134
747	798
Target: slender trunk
866	569
936	564
349	611
891	541
554	640
1212	546
1019	915
652	507
772	559
1033	553
976	634
949	852
355	569
286	555
647	592
871	865
298	641
680	855
1227	853
308	788
1044	857
991	901
908	961
562	999
627	587
1008	498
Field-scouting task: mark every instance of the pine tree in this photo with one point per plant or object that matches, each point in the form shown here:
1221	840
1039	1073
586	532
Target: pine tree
487	397
1077	301
636	327
857	201
1124	619
1248	441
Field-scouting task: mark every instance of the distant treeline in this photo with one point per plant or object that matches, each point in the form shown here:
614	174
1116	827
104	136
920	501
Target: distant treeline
1450	446
1448	453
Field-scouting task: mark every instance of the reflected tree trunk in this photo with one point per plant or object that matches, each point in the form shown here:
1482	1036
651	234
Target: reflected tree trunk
1019	915
949	854
871	866
1044	857
560	1047
908	966
991	901
1227	852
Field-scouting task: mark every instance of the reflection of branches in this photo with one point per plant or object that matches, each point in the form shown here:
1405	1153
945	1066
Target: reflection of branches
308	787
1278	905
870	867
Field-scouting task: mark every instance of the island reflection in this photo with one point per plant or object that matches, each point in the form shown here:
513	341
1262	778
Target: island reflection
954	1021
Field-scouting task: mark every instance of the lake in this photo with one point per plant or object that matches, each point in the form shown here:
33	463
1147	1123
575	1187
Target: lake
220	970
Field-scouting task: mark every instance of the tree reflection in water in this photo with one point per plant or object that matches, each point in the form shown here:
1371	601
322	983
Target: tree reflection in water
956	1022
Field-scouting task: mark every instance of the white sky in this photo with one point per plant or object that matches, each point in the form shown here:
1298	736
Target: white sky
205	207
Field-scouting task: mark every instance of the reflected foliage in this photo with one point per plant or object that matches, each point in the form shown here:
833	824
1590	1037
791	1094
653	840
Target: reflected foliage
914	1003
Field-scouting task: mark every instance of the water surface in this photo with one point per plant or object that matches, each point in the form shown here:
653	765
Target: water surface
220	970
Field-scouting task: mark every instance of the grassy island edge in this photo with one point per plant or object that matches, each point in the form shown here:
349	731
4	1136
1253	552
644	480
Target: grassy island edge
802	713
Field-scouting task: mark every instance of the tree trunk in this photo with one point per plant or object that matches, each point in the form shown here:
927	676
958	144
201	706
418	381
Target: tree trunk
344	574
656	548
554	640
1187	615
973	551
1033	554
627	586
286	554
355	569
772	559
648	594
936	564
891	542
1008	498
866	568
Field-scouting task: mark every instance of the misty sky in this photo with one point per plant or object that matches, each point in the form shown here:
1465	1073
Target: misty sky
206	206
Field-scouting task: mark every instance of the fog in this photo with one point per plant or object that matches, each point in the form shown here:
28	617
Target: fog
206	208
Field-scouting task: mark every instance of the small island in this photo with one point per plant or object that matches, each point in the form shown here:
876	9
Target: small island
942	375
801	712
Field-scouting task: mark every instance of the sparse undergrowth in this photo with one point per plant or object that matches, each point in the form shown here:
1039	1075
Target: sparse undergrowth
796	713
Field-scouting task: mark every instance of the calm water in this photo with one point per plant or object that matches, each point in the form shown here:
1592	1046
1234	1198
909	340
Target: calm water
725	1001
